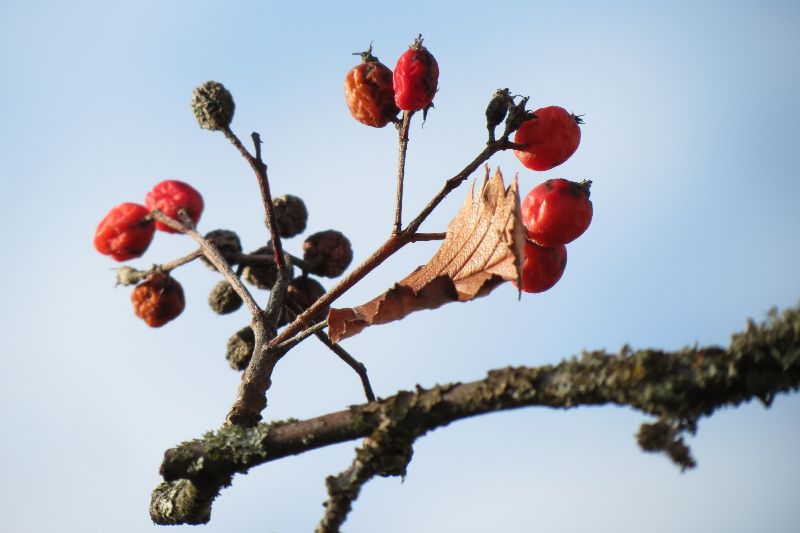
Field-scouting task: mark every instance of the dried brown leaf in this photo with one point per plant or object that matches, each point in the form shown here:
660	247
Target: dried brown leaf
483	248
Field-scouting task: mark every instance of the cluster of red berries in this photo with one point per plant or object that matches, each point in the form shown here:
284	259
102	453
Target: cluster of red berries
557	211
554	213
375	94
128	229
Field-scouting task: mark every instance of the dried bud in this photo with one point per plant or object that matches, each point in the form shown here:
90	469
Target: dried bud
240	348
158	299
497	109
224	299
517	114
228	244
128	276
263	274
291	214
213	106
328	253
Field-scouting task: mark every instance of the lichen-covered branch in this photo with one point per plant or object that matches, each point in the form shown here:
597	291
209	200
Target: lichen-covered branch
676	387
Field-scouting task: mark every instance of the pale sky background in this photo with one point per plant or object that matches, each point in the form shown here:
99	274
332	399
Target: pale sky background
691	113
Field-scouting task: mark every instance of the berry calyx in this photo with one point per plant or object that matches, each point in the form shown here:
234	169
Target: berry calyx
416	78
158	299
542	267
125	232
557	211
369	93
550	138
172	196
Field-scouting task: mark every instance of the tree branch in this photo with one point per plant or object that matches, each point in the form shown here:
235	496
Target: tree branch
676	387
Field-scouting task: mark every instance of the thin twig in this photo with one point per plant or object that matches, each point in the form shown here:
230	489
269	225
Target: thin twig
293	308
421	237
130	276
260	169
212	254
352	362
458	179
401	170
303	335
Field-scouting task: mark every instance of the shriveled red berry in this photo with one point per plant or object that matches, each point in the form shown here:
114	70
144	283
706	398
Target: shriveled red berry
416	78
368	91
557	211
542	267
158	299
125	232
171	196
550	138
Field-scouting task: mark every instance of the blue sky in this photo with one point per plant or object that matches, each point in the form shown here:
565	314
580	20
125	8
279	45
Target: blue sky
690	139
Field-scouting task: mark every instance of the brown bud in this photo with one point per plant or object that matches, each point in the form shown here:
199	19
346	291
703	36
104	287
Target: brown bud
158	299
328	253
291	214
224	299
240	348
213	106
228	244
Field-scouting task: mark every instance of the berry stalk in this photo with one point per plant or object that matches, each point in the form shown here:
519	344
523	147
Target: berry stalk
401	171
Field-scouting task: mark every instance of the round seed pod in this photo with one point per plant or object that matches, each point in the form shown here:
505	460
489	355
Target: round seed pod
228	244
240	348
328	253
223	299
304	291
213	106
291	214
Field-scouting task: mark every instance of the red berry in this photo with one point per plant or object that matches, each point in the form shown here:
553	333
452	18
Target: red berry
557	211
170	196
550	138
543	267
125	232
416	78
368	91
158	299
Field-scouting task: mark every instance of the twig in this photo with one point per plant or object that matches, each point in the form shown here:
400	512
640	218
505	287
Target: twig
401	170
267	259
212	254
356	365
676	387
260	169
451	184
360	369
420	237
130	276
303	335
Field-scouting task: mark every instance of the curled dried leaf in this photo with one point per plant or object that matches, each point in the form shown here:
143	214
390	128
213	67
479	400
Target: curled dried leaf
483	248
